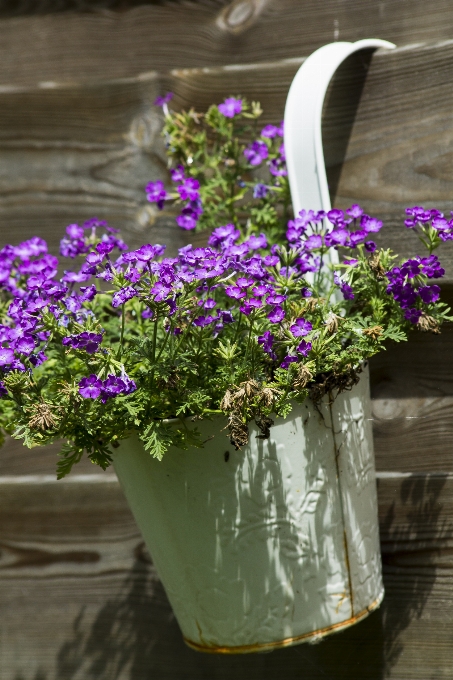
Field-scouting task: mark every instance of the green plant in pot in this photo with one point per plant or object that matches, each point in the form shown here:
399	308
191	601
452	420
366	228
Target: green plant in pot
228	384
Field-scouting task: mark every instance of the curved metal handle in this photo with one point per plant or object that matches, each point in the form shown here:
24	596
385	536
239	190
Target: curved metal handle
303	111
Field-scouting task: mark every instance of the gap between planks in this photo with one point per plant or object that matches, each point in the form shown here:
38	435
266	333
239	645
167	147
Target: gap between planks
109	478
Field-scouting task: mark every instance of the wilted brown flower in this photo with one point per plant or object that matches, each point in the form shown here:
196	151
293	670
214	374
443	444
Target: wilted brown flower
374	262
303	377
373	332
42	417
428	324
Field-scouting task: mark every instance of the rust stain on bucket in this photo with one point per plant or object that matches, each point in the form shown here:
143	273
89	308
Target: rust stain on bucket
287	642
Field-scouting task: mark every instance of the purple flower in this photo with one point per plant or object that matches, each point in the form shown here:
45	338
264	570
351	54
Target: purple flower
243	282
35	282
411	268
147	252
301	327
17	365
357	237
210	303
188	191
88	293
84	341
90	388
276	315
260	191
313	241
441	224
31	248
269	131
94	258
227	317
231	107
289	359
160	291
336	216
431	267
370	246
355	211
105	247
37	359
187	221
155	193
337	237
6	356
405	295
413	315
73	303
271	260
160	101
224	236
3	390
74	231
203	321
347	291
304	348
370	224
256	152
277	167
429	293
235	292
267	341
237	251
177	174
256	242
25	345
261	289
275	299
120	297
421	215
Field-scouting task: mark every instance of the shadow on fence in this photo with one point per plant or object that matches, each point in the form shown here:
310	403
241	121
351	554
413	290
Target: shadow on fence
135	636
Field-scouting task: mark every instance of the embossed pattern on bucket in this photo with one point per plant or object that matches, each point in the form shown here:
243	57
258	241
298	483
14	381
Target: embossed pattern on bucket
271	545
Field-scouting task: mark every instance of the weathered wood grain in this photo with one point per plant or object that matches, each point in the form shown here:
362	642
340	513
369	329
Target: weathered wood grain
89	46
79	597
412	393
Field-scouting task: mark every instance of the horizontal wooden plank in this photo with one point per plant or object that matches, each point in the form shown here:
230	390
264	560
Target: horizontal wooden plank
87	46
412	397
79	596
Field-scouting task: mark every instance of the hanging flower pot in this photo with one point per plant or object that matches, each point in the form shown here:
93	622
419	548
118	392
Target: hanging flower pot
267	546
266	536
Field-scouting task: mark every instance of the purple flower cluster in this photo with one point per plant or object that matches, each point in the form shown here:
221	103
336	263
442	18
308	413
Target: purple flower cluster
421	217
188	190
349	230
93	387
28	274
89	342
258	151
155	193
407	290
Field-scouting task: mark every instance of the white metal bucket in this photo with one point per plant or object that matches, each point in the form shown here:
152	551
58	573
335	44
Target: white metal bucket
269	546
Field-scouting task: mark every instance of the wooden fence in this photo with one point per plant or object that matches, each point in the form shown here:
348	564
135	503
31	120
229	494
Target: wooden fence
79	597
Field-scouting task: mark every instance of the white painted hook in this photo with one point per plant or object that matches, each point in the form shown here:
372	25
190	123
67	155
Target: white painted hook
303	111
